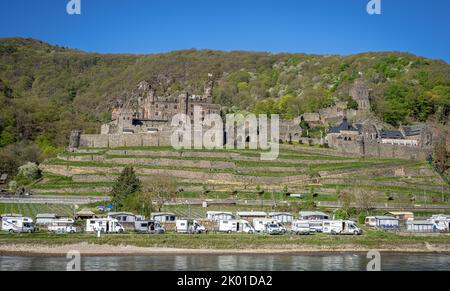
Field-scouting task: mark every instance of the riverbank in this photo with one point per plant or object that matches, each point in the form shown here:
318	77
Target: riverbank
43	244
92	250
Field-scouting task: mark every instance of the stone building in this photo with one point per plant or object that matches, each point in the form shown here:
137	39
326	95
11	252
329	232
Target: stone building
145	119
366	139
144	112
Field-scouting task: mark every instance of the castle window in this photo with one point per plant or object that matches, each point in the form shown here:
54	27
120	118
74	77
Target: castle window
175	107
156	106
167	106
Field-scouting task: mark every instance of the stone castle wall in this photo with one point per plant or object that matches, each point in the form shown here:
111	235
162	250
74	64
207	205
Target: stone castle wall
124	140
378	150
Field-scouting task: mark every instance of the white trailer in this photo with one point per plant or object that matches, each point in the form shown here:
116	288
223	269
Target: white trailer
341	227
105	225
189	226
239	226
62	226
301	227
17	224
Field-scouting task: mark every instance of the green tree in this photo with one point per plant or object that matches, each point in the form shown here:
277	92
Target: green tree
28	173
126	184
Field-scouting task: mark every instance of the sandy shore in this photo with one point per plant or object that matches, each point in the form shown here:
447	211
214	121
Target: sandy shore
87	249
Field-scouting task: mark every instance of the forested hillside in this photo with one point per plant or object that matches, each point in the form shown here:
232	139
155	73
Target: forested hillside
46	91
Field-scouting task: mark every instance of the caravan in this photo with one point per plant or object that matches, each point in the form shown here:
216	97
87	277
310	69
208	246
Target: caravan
383	222
17	224
239	226
341	227
107	225
148	226
189	226
62	226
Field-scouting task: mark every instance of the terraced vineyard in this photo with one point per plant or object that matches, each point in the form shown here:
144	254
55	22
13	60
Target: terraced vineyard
317	173
30	210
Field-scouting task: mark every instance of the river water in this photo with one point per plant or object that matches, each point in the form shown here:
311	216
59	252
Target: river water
303	262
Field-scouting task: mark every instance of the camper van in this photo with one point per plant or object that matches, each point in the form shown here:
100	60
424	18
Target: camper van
261	225
239	226
107	225
341	227
189	226
316	225
148	226
62	226
17	224
301	227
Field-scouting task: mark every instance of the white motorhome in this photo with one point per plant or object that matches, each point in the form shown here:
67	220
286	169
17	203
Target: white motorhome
17	224
442	222
62	226
239	226
301	227
148	226
316	225
261	224
189	226
106	225
341	227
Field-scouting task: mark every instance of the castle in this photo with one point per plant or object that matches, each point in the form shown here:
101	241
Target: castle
144	119
144	112
367	139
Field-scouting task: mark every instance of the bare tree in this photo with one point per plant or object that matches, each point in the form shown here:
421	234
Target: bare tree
364	198
159	190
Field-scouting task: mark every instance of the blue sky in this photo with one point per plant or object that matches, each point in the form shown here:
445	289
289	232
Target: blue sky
311	26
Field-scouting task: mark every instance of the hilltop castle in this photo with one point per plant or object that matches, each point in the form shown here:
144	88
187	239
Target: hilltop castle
144	119
145	112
